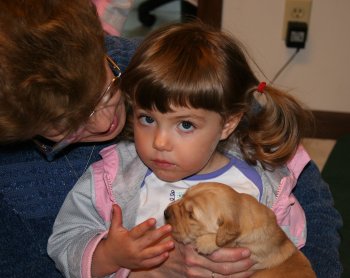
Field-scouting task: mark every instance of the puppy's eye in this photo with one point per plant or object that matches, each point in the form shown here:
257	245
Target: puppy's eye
188	209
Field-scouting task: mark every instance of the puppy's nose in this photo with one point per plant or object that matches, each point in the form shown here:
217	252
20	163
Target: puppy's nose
166	214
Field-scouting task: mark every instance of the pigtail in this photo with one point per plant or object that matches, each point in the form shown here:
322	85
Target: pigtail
272	129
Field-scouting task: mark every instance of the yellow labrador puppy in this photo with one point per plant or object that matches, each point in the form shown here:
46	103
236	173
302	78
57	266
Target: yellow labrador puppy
213	215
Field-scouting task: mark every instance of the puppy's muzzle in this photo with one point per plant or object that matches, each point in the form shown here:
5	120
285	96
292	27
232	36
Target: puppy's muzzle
167	213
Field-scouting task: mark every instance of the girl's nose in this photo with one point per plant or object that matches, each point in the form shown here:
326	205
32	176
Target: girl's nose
162	141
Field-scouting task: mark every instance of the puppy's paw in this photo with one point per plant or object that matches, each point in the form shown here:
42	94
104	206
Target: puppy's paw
206	244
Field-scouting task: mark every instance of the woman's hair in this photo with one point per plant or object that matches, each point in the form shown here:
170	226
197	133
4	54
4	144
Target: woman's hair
52	69
194	65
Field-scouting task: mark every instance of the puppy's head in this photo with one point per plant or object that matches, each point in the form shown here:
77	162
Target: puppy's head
206	209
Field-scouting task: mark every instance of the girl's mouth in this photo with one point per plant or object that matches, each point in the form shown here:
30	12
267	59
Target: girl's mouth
162	163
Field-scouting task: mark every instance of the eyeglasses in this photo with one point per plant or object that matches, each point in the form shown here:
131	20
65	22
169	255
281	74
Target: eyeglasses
51	150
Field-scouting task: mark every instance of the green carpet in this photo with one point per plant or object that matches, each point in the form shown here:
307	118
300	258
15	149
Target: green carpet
337	173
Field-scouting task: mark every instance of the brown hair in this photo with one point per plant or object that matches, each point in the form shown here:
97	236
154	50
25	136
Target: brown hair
51	66
197	66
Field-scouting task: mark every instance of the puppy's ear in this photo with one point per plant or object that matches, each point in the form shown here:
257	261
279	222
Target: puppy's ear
228	230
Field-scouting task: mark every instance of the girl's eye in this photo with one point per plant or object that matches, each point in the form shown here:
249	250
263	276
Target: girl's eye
146	120
186	126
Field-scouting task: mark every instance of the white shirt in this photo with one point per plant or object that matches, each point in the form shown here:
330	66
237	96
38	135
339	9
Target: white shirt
156	194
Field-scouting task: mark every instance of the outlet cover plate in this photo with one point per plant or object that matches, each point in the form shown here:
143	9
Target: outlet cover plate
297	11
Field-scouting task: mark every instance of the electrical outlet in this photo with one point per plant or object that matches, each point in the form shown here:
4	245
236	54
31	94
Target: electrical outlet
296	11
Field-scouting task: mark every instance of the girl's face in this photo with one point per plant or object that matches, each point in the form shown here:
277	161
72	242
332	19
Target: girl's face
178	144
107	120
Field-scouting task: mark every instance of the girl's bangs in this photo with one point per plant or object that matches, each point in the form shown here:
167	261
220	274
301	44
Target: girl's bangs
163	93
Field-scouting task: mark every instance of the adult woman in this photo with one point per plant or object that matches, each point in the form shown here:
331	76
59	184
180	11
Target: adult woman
57	80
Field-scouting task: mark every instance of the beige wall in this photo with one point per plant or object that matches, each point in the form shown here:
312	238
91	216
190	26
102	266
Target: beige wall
320	74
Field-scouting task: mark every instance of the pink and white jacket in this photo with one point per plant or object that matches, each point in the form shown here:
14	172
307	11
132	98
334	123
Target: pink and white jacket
85	216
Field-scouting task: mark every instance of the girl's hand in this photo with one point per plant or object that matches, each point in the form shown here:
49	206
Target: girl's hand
141	247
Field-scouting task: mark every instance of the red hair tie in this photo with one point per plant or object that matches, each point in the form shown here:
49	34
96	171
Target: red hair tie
261	87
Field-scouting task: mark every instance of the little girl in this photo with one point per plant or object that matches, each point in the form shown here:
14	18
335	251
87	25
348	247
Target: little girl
197	113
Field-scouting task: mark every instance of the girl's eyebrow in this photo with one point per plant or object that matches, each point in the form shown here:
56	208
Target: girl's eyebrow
187	116
182	116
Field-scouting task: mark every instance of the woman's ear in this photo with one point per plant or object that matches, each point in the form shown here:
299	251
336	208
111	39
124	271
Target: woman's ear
230	125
